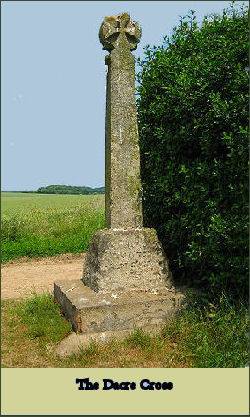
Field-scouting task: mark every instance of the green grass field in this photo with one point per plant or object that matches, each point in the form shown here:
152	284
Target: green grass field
36	225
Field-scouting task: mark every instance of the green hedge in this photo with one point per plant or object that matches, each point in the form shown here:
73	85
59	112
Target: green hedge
193	125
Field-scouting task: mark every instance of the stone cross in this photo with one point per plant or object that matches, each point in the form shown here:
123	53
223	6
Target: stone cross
119	35
125	255
126	282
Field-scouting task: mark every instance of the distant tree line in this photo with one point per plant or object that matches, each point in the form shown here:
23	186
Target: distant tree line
18	191
70	189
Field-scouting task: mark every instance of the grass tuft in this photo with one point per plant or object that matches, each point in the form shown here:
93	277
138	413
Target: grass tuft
42	318
138	338
213	336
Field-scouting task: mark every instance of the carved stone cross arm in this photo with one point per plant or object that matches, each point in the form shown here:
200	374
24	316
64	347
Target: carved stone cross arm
114	26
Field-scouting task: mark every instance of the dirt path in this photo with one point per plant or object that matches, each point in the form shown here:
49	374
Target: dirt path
23	277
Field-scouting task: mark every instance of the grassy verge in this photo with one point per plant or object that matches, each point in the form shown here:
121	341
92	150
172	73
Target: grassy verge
48	231
199	337
216	336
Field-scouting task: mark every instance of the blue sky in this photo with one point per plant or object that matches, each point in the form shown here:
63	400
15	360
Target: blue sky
53	84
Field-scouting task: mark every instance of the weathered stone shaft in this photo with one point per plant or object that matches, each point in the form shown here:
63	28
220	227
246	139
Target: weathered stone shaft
122	160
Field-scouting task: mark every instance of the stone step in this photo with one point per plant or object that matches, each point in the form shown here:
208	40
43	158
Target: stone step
97	312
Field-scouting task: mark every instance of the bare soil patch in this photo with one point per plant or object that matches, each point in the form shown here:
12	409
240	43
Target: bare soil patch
25	276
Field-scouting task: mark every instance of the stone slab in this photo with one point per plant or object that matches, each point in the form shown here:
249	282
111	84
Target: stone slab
93	312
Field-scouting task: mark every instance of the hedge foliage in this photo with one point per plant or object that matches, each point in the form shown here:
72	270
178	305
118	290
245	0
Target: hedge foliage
193	125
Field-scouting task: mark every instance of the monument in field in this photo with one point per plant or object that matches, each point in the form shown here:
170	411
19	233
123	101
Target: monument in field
126	281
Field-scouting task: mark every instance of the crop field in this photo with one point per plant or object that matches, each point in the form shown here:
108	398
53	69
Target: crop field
36	225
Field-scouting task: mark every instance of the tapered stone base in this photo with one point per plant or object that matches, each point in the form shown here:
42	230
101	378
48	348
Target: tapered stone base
126	259
93	312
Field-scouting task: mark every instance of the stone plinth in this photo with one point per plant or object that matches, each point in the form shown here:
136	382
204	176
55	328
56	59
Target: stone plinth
122	259
92	312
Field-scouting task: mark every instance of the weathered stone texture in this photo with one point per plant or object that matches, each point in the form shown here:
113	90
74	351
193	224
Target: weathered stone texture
122	162
113	26
91	312
122	259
